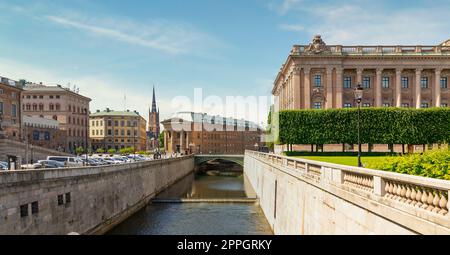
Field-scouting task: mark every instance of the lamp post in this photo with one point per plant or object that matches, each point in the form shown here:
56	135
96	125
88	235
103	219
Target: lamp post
358	98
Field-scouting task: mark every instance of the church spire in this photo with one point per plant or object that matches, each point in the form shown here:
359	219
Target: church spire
154	100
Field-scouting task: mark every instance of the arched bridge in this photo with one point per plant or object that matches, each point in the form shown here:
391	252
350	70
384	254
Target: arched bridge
202	158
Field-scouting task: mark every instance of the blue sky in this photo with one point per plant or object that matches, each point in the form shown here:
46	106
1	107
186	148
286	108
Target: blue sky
228	48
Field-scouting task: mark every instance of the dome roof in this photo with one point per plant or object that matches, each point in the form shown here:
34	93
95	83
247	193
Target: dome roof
446	43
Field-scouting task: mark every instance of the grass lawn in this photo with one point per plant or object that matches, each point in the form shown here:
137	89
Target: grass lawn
344	160
349	159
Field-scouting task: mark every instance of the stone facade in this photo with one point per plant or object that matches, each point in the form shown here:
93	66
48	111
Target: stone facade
43	132
26	153
188	132
10	113
83	200
324	76
66	106
308	197
117	130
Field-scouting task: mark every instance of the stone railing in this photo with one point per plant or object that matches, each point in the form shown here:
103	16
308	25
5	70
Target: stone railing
422	197
378	50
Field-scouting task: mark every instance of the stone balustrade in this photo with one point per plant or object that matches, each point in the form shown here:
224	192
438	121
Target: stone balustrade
378	50
422	197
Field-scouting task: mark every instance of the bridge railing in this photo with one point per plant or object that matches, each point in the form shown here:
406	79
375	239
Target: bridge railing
427	198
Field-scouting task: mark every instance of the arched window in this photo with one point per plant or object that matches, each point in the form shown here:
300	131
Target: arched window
55	117
58	107
28	107
41	107
34	107
52	107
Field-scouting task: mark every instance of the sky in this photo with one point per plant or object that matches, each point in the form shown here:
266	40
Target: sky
115	51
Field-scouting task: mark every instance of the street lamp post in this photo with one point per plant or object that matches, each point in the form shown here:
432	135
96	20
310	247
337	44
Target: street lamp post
358	98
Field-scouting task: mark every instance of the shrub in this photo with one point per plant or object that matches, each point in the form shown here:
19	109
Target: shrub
100	150
378	126
433	164
111	151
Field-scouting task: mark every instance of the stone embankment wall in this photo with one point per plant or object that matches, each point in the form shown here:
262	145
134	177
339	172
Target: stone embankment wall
309	197
88	200
35	153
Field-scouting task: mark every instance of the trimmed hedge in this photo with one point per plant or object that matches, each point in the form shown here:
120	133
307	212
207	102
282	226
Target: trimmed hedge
378	126
433	164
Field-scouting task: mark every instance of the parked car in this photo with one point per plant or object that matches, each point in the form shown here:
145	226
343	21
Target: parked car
113	160
48	164
102	161
3	165
67	161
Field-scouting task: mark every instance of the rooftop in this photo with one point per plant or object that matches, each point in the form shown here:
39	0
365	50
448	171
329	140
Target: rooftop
109	112
319	47
33	87
212	119
40	122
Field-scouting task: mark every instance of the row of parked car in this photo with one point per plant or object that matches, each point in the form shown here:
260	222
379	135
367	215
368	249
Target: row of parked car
95	160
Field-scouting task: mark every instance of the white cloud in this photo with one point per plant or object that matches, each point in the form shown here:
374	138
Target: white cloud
362	23
285	6
292	27
158	35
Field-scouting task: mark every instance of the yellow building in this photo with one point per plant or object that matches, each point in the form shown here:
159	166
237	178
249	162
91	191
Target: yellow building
117	130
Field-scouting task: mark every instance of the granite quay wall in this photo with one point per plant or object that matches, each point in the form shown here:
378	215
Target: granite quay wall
88	200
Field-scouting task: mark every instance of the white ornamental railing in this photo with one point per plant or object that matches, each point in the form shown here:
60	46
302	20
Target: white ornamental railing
419	196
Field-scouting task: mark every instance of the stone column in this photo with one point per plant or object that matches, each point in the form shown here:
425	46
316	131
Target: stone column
296	85
398	87
417	89
187	140
171	141
165	141
378	86
329	98
307	93
359	72
437	87
339	87
181	141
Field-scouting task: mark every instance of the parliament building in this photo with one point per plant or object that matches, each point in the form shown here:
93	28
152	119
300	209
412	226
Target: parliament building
324	76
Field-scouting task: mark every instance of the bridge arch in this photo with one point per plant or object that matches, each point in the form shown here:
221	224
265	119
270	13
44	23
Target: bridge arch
200	159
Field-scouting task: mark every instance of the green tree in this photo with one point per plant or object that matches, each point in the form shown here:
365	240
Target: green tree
100	150
79	150
111	151
161	140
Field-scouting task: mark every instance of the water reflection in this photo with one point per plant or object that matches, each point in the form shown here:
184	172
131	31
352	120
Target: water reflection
200	218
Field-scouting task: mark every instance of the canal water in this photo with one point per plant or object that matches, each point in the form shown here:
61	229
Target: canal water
200	218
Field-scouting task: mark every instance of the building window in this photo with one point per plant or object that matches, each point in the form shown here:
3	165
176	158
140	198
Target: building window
109	132
41	97
60	199
366	105
34	207
444	83
424	105
347	82
34	107
347	105
366	82
68	198
58	107
41	107
318	80
405	105
317	105
57	96
51	107
444	105
51	97
1	91
24	210
28	107
1	107
386	104
385	82
424	82
109	123
405	82
14	110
